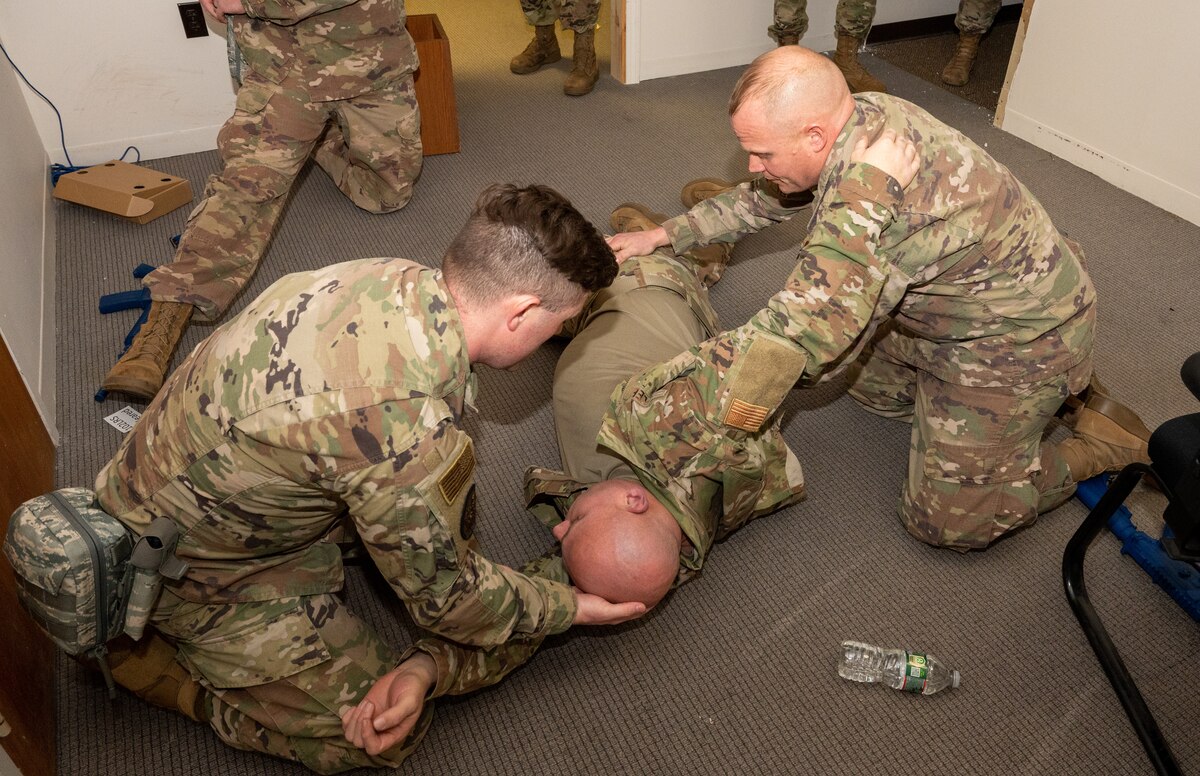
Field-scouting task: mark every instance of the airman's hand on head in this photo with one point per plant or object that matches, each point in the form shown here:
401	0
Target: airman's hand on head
594	610
895	155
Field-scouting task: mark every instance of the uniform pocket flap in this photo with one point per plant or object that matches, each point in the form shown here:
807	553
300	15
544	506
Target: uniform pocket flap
255	93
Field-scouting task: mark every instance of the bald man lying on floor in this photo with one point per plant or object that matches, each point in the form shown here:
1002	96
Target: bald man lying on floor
639	505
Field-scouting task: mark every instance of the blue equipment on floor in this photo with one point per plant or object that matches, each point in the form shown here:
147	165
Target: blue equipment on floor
1174	452
1179	579
127	300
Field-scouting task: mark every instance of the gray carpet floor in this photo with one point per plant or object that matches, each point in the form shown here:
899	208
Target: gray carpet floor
736	672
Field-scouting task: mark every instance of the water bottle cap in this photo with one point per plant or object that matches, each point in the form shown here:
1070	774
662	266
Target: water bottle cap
954	678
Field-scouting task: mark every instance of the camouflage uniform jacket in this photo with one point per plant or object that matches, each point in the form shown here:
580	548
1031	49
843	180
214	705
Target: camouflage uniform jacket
673	424
341	48
983	288
336	391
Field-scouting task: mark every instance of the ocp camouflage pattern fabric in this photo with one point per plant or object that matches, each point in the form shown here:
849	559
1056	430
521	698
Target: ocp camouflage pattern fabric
576	15
987	313
790	18
335	396
322	78
665	425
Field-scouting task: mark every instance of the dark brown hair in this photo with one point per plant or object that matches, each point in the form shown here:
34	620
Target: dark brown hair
528	239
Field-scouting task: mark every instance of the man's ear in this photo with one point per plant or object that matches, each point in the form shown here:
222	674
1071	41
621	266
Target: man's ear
517	307
815	138
635	499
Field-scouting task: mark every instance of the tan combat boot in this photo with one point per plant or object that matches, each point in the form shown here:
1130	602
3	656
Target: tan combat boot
586	72
789	40
958	70
140	372
857	78
148	669
700	189
542	50
635	217
711	260
1108	437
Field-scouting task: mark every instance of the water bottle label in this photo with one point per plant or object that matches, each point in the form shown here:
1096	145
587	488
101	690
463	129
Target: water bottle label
916	672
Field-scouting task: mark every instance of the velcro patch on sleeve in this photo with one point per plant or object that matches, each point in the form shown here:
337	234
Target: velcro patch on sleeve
764	375
457	474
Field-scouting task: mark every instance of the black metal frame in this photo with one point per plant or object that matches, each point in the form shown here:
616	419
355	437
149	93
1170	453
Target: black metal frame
1136	709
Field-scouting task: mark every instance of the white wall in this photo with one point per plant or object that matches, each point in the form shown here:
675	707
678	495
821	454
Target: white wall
27	249
124	74
672	37
1114	91
121	74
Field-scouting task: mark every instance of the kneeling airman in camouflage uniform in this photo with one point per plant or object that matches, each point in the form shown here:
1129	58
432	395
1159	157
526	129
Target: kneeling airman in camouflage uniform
640	503
332	79
974	315
337	396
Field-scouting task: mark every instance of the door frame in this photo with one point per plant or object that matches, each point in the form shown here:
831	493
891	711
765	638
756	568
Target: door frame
27	683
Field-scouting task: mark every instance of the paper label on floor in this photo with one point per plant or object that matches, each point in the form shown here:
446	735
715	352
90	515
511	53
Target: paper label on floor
123	419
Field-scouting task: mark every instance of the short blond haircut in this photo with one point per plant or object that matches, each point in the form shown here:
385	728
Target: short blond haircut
790	80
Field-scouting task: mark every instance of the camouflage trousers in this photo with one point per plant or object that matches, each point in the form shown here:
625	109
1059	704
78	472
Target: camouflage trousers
369	145
978	465
281	673
975	17
854	18
577	15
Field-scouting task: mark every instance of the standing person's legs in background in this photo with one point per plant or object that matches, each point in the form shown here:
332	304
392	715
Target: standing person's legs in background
854	19
974	19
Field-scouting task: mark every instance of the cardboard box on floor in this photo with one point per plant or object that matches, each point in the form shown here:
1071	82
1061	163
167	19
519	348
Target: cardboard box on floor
138	194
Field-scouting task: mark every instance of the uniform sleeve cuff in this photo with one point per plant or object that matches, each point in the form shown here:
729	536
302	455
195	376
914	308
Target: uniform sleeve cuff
439	652
680	233
866	181
560	607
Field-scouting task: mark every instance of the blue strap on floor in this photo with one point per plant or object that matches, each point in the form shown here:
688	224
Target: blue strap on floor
1181	580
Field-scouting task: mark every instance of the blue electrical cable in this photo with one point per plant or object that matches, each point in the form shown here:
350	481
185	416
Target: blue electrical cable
58	170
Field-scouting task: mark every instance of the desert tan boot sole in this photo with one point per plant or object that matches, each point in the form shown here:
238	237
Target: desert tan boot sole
700	189
634	217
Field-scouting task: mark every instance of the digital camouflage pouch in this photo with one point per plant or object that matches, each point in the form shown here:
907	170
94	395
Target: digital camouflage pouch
70	559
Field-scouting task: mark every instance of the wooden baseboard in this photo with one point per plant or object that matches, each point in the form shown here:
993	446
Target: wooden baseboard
27	681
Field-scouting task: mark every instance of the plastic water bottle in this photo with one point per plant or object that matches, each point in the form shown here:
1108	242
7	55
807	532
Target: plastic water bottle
898	668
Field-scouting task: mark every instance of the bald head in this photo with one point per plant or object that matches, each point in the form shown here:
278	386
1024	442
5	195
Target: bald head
620	543
787	111
793	85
